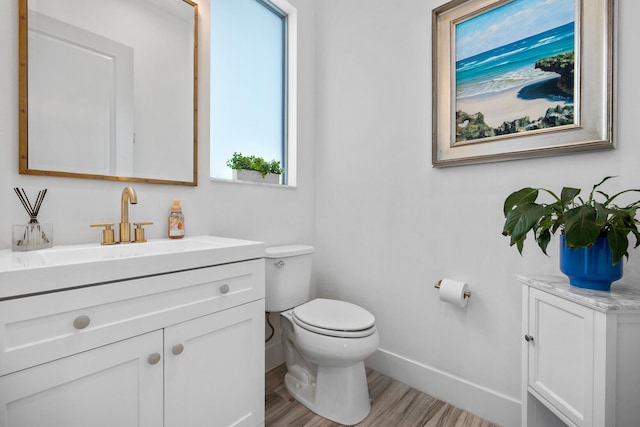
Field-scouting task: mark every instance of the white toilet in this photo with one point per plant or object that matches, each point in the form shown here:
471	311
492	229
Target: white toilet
325	341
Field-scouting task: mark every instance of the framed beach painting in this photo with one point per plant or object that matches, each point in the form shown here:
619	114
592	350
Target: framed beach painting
521	78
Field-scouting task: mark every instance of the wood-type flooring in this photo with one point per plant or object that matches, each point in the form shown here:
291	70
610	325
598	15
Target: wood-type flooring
393	404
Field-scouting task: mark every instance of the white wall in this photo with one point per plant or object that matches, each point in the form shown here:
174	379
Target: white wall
389	226
272	215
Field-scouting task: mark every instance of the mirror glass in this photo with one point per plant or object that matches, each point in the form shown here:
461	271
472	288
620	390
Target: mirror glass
108	89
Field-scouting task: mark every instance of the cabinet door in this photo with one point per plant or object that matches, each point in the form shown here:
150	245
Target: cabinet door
114	385
561	356
214	369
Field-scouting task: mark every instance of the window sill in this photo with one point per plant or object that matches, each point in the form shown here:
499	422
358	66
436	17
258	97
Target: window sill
259	184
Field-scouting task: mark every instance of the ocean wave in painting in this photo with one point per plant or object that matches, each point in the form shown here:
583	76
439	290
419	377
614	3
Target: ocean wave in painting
511	65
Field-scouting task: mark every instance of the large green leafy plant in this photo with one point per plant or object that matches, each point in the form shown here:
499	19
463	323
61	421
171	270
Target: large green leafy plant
238	161
582	221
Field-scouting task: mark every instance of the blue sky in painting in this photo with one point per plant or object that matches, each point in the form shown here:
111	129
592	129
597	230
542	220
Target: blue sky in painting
511	22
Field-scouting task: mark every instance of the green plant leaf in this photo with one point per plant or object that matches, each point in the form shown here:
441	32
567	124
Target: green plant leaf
521	220
274	167
602	214
543	240
618	243
636	233
568	194
518	197
580	226
605	179
612	198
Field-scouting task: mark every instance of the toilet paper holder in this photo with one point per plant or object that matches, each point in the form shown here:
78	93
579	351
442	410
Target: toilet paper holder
467	294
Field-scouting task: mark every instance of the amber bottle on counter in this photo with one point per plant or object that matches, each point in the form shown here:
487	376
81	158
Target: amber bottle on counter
176	221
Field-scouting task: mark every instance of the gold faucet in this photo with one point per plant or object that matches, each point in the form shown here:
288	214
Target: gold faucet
128	196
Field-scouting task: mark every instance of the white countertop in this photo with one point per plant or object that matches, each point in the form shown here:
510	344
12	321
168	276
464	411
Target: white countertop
622	297
70	266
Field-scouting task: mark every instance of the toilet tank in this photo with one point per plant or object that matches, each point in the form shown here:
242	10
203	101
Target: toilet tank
288	276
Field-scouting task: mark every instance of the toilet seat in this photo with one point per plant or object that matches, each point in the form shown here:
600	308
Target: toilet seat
334	318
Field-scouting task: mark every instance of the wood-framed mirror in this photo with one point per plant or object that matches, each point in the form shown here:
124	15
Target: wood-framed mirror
108	89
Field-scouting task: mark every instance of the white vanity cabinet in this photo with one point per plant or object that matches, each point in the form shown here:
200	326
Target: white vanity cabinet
176	349
113	385
580	355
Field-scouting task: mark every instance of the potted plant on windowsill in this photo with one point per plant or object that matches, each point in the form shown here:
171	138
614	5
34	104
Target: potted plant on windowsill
256	169
594	234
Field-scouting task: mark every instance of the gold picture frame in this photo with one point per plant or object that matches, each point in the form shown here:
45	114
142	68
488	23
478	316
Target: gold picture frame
587	127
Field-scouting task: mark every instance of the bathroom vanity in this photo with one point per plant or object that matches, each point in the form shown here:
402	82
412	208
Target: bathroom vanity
581	350
163	333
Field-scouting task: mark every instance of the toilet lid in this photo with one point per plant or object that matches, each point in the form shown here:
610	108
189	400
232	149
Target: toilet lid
335	318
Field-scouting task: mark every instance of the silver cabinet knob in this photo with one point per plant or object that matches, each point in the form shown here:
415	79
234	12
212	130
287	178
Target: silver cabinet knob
224	288
153	358
177	349
81	321
528	338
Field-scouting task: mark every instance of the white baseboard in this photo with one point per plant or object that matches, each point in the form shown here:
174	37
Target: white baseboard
488	404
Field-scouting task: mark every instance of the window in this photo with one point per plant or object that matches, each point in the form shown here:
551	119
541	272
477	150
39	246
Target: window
253	81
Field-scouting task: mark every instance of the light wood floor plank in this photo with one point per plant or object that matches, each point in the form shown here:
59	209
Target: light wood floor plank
393	404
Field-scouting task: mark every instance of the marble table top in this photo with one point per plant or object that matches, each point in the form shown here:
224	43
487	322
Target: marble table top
622	297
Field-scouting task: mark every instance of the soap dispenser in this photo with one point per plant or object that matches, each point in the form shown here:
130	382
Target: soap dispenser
176	221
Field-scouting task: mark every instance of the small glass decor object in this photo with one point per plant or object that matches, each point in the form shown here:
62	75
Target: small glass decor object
31	237
34	235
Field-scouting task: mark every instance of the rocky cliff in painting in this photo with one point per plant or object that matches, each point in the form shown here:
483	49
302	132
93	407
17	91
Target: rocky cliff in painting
560	64
472	126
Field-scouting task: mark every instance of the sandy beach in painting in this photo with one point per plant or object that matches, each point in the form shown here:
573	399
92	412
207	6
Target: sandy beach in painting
504	106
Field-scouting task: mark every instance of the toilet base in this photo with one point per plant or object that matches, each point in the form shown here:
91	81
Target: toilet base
340	394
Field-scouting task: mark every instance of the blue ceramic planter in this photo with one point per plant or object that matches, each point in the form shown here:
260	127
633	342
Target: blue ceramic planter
590	268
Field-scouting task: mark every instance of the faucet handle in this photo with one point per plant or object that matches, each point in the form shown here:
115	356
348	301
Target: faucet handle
138	232
107	234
